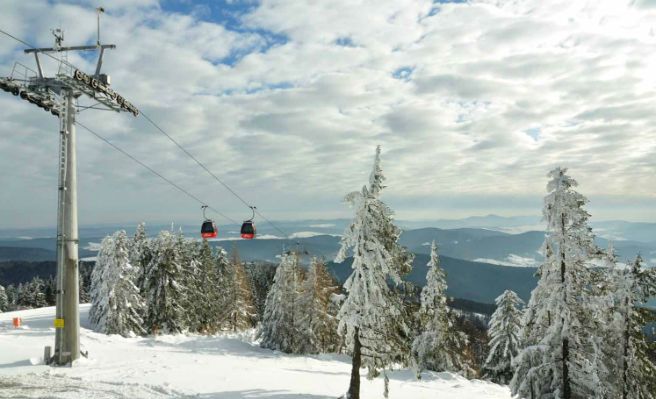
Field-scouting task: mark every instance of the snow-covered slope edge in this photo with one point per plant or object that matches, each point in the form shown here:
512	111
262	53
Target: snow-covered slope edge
227	366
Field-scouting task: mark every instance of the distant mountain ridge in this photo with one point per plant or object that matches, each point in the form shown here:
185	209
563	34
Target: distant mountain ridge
616	230
477	260
472	244
26	254
475	281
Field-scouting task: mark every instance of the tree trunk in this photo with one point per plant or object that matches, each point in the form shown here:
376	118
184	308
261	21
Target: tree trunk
354	386
625	371
567	389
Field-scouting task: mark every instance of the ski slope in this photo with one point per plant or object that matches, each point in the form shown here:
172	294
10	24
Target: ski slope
180	366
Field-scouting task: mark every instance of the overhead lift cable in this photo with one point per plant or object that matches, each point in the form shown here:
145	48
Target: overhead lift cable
209	172
29	45
153	171
214	176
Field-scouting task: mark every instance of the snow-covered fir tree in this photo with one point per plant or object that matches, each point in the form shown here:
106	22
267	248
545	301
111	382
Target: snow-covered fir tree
638	371
12	296
163	287
4	300
116	306
279	327
504	333
439	346
557	358
208	296
21	297
32	294
187	252
85	295
370	319
318	323
607	324
261	277
140	253
239	309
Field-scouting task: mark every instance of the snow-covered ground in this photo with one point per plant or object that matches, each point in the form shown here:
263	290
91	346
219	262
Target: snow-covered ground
228	366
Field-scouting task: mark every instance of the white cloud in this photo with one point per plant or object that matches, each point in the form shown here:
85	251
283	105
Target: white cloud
292	126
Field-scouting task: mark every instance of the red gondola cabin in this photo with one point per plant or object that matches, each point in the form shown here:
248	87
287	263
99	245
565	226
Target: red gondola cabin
208	230
248	230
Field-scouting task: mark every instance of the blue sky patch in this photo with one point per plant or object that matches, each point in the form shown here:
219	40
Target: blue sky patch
403	73
345	42
270	87
228	14
533	132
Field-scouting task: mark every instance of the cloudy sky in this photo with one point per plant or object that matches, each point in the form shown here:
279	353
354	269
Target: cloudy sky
473	102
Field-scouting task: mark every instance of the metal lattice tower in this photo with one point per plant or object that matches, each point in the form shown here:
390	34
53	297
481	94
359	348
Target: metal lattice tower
59	95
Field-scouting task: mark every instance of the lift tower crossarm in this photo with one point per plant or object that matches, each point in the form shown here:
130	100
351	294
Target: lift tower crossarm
72	48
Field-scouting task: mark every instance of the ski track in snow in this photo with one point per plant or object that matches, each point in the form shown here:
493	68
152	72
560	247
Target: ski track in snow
229	366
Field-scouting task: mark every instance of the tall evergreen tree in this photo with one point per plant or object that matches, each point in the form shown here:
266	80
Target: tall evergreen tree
187	253
607	324
638	370
439	346
51	288
32	294
4	301
12	296
140	253
261	277
117	306
370	317
279	328
318	323
209	295
504	332
164	291
239	310
22	296
557	357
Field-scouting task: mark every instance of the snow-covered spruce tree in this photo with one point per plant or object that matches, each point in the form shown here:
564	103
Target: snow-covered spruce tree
224	286
4	301
557	359
32	294
116	306
317	321
140	253
638	370
164	292
279	328
209	293
85	296
370	319
190	281
261	277
12	297
439	346
239	309
607	324
505	326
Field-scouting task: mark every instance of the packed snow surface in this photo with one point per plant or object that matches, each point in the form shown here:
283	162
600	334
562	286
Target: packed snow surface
179	366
